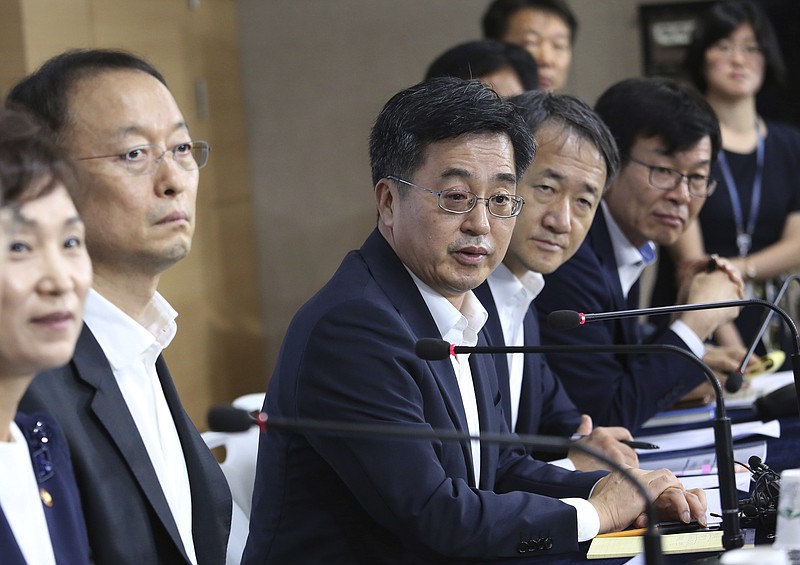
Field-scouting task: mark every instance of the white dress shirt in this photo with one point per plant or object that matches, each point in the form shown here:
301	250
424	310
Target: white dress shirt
460	328
513	297
132	348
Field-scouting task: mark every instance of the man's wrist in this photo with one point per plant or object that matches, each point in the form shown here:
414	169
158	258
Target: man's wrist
750	270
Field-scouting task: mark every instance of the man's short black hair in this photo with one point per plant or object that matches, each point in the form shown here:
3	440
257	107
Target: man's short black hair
495	20
539	108
440	109
45	92
651	107
481	57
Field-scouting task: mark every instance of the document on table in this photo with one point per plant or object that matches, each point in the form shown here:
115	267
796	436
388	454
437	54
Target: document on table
711	481
704	437
756	388
703	461
690	542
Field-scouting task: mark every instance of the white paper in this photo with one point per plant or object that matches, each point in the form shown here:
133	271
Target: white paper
704	437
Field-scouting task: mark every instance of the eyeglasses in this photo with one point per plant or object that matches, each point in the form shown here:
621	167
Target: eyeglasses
663	178
727	49
460	200
145	159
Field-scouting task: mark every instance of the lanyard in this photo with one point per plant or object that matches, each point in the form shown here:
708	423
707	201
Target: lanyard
744	237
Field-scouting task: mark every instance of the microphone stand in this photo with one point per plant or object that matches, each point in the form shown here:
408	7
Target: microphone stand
765	323
567	319
651	538
432	348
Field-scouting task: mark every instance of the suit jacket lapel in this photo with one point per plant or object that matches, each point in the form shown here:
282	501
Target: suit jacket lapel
527	419
482	375
493	332
391	275
600	239
201	468
112	412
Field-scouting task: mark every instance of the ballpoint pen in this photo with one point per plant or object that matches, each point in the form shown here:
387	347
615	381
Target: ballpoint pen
630	443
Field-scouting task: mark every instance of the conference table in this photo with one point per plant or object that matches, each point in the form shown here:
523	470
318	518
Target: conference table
782	453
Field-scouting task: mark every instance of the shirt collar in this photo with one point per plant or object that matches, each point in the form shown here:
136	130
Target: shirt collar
626	254
515	292
459	327
122	338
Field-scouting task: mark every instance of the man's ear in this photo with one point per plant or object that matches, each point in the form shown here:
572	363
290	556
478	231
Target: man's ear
385	201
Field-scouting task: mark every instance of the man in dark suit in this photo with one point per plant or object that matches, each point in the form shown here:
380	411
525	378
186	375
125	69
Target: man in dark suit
668	138
446	155
576	158
150	489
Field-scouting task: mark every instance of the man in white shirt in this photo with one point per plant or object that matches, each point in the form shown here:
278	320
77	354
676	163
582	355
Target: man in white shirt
150	489
668	138
576	158
446	155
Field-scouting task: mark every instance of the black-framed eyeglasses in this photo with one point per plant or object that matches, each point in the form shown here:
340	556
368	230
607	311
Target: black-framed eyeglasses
461	200
664	178
145	159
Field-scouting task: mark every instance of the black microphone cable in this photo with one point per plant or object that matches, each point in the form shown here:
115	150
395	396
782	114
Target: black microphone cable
230	419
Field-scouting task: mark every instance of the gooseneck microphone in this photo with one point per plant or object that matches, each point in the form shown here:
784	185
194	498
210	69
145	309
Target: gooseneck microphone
226	418
432	349
765	323
569	319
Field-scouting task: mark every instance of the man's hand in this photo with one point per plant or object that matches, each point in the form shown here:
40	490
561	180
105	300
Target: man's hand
607	442
619	504
727	359
720	285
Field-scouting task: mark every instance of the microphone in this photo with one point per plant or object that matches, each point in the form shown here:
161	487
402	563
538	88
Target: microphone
432	349
764	325
227	418
761	507
231	419
568	319
780	403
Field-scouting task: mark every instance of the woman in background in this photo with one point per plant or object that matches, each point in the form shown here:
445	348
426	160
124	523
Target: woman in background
43	285
753	217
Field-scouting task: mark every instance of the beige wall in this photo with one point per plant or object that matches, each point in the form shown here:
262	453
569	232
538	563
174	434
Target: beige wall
315	75
218	352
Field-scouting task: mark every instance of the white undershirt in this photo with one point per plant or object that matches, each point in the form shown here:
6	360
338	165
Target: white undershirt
21	501
132	349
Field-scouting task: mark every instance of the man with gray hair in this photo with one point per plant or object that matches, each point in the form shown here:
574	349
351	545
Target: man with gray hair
446	156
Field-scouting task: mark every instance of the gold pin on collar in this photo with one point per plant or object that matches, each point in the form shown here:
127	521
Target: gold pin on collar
47	498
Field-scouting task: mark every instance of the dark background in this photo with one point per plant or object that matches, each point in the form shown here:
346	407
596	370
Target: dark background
660	60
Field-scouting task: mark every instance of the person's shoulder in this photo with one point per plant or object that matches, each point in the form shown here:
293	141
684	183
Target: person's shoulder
783	133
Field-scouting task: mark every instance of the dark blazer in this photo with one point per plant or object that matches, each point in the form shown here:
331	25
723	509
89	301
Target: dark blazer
615	390
53	470
544	406
127	515
349	356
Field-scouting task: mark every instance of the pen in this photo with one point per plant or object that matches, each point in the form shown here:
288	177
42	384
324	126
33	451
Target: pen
630	443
